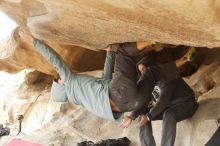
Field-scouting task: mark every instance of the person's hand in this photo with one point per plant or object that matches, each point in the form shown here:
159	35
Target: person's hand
143	44
158	47
126	122
109	48
142	121
141	68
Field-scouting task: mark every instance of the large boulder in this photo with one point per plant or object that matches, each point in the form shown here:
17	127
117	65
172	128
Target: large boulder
52	123
75	29
18	53
96	23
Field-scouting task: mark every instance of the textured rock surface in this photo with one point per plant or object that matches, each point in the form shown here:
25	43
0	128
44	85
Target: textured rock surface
66	124
93	24
18	53
96	23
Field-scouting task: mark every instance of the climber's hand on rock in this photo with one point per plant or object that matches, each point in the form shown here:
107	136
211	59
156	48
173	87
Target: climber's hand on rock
126	122
110	48
143	119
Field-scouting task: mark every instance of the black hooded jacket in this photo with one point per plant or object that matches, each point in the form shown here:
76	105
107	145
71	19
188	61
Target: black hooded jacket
164	86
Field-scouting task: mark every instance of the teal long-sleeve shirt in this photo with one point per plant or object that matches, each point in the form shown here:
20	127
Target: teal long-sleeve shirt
89	92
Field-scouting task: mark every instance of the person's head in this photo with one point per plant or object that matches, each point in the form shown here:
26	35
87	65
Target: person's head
58	91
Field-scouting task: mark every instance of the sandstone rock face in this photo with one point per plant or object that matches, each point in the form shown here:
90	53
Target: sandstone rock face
18	54
74	27
51	123
96	23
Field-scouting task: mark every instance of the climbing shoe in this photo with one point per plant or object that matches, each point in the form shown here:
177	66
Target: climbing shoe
191	54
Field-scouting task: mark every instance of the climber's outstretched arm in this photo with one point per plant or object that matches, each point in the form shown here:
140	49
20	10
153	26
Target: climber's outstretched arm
52	57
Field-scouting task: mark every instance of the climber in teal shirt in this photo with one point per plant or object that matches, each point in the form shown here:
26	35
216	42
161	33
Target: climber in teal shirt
105	97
